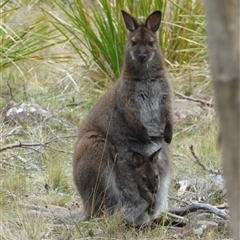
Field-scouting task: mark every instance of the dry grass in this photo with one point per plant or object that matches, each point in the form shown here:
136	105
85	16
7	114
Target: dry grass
42	176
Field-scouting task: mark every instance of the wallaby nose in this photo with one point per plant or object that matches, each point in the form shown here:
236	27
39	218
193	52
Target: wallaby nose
153	191
142	57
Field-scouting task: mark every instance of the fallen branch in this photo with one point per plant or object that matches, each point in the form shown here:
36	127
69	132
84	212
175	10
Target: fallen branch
216	172
205	103
180	200
177	220
193	207
25	161
8	163
20	144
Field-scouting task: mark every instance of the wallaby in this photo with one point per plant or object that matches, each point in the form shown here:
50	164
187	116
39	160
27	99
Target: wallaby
147	176
135	115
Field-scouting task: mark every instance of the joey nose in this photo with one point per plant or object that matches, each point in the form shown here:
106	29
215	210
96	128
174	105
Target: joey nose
152	190
142	57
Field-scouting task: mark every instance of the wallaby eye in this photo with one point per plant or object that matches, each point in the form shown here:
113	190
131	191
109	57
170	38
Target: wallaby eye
151	44
156	176
134	43
144	179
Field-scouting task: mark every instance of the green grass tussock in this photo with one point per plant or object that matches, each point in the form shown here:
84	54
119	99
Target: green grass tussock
98	31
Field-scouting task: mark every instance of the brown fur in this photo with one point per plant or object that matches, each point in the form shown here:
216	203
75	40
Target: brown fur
135	115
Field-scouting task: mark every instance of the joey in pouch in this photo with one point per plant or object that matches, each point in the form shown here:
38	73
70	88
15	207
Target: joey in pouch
147	176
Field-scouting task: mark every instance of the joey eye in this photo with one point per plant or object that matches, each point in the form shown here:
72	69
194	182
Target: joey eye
156	176
144	179
151	44
134	43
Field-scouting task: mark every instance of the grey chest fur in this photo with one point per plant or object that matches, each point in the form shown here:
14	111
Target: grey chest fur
148	99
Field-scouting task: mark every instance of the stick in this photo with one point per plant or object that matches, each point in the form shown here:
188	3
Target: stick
216	172
180	200
17	145
170	219
177	217
182	211
8	163
25	161
205	103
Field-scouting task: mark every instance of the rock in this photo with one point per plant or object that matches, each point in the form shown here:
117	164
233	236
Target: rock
194	105
198	231
200	188
184	108
194	185
218	180
32	114
206	224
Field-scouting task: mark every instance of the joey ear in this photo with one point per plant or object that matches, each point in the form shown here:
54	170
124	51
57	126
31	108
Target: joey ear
137	159
154	156
130	22
153	21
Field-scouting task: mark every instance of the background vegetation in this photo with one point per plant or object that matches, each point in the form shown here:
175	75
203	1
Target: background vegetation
63	55
101	31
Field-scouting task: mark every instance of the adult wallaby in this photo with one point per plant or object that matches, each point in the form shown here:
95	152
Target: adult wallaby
147	176
135	115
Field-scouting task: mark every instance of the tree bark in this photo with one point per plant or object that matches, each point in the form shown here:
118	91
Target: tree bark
223	38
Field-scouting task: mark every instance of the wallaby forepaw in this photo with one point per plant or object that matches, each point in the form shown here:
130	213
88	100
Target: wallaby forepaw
167	136
168	133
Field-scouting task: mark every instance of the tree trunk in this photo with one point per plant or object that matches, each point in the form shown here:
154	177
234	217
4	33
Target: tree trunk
223	38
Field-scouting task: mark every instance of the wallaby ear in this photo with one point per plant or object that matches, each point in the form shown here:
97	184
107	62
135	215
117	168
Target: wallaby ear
137	159
153	21
130	22
154	156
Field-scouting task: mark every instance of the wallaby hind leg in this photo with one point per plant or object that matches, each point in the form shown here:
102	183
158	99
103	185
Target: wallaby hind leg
93	172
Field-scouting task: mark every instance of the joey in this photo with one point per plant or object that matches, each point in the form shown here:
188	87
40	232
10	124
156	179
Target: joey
147	176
